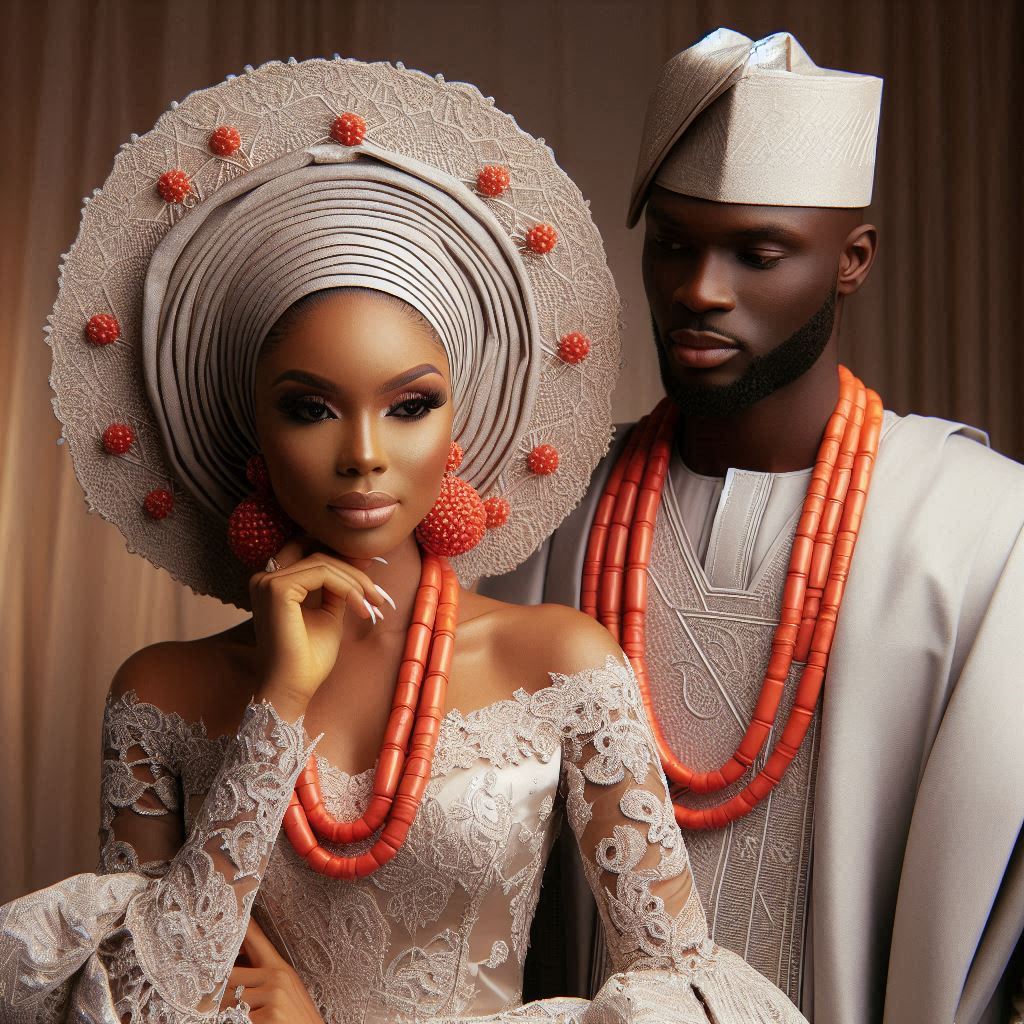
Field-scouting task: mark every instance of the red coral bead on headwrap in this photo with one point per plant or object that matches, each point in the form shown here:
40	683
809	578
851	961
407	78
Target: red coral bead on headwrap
574	347
496	510
349	129
257	530
541	238
225	140
118	438
543	460
456	522
173	186
159	504
492	180
103	329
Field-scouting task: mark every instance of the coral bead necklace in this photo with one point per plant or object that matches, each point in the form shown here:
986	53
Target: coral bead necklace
407	751
614	587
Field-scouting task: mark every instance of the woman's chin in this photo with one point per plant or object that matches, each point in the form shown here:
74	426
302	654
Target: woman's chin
365	543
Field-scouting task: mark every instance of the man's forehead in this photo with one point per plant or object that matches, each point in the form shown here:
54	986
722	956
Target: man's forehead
784	223
672	209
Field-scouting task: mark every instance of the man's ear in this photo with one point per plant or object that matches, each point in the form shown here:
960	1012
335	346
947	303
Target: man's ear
857	257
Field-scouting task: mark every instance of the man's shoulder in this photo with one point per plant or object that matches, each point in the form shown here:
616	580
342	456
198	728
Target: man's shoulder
951	454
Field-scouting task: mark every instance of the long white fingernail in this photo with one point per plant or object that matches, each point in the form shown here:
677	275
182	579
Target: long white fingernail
387	597
377	558
371	610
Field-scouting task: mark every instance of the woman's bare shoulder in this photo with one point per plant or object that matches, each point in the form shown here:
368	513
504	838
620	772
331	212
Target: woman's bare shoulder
192	678
543	639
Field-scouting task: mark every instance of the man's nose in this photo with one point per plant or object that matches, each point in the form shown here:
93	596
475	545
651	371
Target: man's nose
704	285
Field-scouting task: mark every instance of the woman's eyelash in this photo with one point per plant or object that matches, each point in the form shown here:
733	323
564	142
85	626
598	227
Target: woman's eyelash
307	408
416	405
315	409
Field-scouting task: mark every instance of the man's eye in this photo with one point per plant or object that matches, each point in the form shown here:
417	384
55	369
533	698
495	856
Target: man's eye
669	244
759	260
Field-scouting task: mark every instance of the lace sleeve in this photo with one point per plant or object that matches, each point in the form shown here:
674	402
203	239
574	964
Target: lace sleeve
154	942
636	863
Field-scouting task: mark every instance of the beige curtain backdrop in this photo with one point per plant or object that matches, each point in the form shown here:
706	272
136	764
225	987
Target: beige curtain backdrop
936	329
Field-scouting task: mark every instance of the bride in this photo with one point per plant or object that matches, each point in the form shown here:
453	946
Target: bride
333	337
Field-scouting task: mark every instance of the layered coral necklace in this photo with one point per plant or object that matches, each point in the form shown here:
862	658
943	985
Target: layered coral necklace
614	587
407	751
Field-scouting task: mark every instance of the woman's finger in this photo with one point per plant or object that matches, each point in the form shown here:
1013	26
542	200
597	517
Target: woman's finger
259	949
294	549
343	570
295	585
250	977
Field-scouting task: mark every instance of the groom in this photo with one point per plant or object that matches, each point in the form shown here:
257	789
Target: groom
882	880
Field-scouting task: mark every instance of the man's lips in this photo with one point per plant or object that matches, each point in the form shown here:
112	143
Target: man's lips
702	350
363	510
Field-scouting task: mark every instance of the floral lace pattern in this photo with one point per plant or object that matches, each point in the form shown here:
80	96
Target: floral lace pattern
165	946
440	933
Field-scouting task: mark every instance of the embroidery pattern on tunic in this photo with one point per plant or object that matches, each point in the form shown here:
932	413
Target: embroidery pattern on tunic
710	646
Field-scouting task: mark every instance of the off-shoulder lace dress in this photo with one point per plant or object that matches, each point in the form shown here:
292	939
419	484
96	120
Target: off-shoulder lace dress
192	843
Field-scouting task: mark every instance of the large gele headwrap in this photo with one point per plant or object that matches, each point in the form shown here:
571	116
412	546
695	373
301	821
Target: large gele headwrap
256	191
327	217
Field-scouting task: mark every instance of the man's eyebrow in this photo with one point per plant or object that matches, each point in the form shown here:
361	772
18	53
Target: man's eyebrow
768	233
408	377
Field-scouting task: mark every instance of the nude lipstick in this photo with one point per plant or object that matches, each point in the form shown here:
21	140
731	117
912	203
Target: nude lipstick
364	510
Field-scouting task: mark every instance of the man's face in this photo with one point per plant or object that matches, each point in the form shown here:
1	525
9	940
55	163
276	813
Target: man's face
743	298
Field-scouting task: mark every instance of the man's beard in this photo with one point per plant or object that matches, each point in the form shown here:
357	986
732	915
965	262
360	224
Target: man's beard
765	375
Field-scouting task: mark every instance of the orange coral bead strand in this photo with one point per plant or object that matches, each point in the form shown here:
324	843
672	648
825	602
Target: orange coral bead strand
813	677
817	547
597	541
416	773
783	643
828	525
638	556
609	594
397	732
794	597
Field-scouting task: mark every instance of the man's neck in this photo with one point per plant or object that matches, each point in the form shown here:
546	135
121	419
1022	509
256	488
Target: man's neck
779	434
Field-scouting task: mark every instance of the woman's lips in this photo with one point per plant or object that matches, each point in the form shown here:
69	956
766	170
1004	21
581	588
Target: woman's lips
364	510
701	350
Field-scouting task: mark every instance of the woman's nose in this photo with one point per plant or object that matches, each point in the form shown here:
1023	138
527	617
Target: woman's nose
361	452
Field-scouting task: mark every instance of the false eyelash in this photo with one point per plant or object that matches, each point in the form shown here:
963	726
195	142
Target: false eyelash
293	407
428	398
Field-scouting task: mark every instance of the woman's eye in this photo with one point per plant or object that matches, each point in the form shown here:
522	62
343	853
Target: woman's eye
415	407
308	409
759	260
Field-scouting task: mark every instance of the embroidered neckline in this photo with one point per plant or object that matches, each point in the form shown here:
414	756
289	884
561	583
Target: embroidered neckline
468	723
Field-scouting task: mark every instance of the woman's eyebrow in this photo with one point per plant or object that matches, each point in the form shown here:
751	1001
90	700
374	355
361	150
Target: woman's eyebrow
408	377
311	379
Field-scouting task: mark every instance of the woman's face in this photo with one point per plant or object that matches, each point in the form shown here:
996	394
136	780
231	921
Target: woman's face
354	416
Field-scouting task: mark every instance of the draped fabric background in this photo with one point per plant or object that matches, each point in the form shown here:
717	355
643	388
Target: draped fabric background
936	330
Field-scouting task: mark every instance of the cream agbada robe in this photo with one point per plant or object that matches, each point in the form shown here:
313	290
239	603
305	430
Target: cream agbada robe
916	898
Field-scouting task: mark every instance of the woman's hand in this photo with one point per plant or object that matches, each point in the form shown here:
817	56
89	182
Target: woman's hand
298	645
272	989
